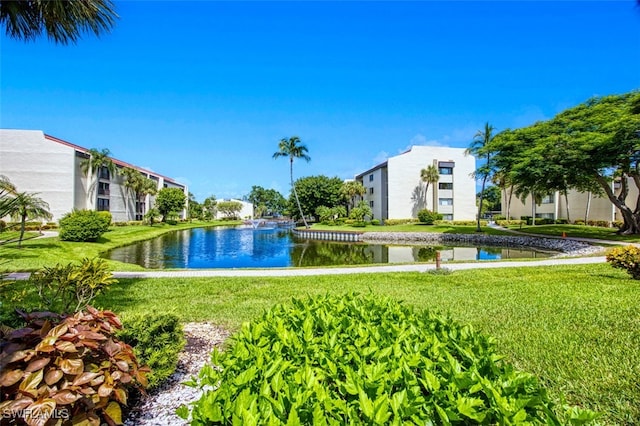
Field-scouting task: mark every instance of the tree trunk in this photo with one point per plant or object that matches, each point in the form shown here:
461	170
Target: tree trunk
631	220
22	225
533	209
484	181
295	194
586	213
566	201
509	203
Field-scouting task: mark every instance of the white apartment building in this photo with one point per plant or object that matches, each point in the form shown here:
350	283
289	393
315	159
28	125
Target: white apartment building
581	205
394	189
245	213
38	163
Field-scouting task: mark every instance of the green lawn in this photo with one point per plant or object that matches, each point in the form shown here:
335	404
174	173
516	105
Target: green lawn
37	253
578	231
576	327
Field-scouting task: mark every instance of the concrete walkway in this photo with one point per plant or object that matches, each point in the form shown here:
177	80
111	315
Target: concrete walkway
353	270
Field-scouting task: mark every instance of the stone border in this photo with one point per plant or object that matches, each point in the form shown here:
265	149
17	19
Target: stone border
566	247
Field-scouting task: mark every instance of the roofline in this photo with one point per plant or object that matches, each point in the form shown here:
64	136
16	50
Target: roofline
373	169
115	160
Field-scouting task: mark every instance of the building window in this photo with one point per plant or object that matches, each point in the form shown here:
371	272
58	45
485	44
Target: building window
103	204
370	190
371	203
140	207
545	215
445	170
371	177
103	188
445	201
445	185
547	199
447	217
103	173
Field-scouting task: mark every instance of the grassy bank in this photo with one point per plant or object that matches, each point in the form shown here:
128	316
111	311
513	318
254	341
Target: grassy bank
37	253
577	231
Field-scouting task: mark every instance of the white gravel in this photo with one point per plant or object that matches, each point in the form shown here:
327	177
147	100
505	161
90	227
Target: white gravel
159	407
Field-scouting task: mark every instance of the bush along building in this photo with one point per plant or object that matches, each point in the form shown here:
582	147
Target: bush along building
67	176
399	188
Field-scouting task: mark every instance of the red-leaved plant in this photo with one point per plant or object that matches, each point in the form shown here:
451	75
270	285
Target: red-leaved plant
67	370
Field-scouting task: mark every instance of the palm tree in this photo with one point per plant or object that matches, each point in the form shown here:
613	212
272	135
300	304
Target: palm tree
136	184
63	21
7	196
430	175
28	206
350	190
91	166
293	148
480	148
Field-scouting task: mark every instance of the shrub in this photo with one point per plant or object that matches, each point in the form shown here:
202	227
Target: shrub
428	217
84	225
562	221
69	288
617	224
469	222
375	222
600	223
627	258
578	222
359	224
363	360
3	225
510	222
72	366
392	222
499	217
157	340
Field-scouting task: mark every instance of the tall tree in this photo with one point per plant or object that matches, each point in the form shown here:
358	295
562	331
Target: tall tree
91	167
170	201
7	196
316	191
137	186
210	206
586	147
350	190
63	21
28	206
430	175
293	148
266	201
480	147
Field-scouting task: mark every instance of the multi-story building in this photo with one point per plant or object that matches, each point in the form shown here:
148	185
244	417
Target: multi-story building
574	206
38	163
395	190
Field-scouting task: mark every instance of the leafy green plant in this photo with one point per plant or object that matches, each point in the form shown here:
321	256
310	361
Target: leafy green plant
428	217
157	340
67	367
364	360
84	225
627	258
70	288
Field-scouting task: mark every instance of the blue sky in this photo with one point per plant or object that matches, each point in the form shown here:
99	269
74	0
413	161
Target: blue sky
203	91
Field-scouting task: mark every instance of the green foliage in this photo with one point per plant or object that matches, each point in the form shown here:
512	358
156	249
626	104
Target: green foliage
70	288
71	363
230	209
375	222
209	208
157	340
492	196
316	191
428	217
361	213
84	225
364	360
331	215
506	223
270	201
170	200
151	216
627	258
394	222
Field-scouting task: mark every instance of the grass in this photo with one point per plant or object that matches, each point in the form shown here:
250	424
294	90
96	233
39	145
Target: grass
38	253
575	327
577	231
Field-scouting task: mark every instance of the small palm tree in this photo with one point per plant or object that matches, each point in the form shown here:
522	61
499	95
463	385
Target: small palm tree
28	206
61	20
350	190
293	148
92	165
7	196
480	147
430	175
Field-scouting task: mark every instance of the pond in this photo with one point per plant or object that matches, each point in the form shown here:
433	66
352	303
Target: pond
245	247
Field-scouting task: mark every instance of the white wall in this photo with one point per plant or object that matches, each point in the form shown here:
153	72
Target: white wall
406	196
36	165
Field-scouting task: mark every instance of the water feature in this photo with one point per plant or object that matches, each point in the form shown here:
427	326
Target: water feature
267	247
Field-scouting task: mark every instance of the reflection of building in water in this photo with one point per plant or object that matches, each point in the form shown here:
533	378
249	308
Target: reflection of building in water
459	253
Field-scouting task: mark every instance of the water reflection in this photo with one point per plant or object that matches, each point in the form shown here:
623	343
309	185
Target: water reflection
244	247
